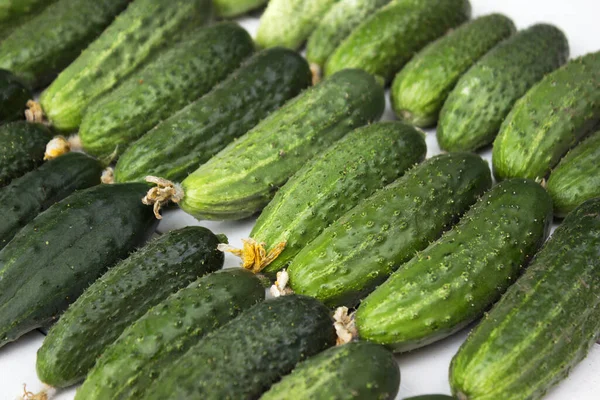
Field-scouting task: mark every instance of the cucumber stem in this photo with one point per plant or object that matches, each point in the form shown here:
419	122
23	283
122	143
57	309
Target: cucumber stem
253	254
345	326
164	192
316	73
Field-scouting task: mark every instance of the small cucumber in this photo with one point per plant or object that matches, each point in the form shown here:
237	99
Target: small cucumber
544	325
22	147
175	78
14	13
192	136
354	371
387	40
362	248
452	282
235	8
421	87
13	97
63	250
25	197
475	109
576	178
550	119
245	357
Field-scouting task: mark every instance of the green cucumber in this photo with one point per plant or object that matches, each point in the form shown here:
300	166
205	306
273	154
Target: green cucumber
335	181
235	8
576	178
175	78
336	25
544	325
14	13
14	96
387	40
357	370
550	119
167	331
243	177
421	87
22	147
192	136
43	46
453	281
136	36
475	109
246	356
360	250
50	262
289	23
25	197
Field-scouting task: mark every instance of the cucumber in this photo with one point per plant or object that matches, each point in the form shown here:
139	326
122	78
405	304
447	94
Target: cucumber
576	178
192	136
332	183
166	331
289	23
473	113
387	40
235	8
13	13
360	250
421	87
14	96
243	177
22	147
336	25
246	356
63	250
175	78
544	325
144	28
357	370
550	119
25	197
43	46
452	282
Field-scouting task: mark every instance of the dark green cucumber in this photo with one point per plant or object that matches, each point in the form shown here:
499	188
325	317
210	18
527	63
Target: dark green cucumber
234	8
136	36
335	181
243	177
13	97
550	119
362	248
22	147
544	325
576	178
474	111
14	13
175	78
53	259
245	357
43	46
453	281
357	370
421	87
192	136
25	197
167	331
387	40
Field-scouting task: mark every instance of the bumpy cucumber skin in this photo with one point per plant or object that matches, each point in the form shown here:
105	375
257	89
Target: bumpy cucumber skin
234	8
195	134
362	248
336	25
144	28
354	371
25	197
421	87
43	46
550	119
452	282
241	179
53	259
289	23
544	325
473	113
13	13
22	147
13	97
120	297
389	38
576	178
175	78
332	183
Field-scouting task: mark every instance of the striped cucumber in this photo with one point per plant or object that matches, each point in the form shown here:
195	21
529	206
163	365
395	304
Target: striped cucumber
14	13
235	8
14	96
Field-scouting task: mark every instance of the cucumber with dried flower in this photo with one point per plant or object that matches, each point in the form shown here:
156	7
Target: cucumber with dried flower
14	96
235	8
